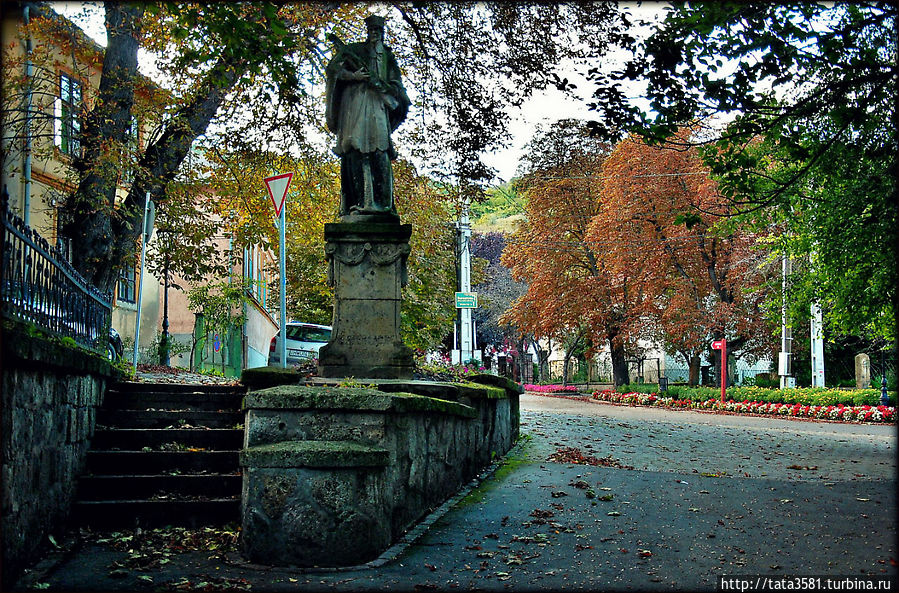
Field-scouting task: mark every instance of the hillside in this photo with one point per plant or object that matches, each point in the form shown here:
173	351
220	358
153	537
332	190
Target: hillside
500	212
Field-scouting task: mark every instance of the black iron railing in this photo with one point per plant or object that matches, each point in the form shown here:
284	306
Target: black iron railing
40	286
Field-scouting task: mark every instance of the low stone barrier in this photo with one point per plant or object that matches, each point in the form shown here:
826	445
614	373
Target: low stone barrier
333	475
51	391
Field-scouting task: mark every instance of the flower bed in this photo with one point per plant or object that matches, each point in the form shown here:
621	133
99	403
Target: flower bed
551	388
846	413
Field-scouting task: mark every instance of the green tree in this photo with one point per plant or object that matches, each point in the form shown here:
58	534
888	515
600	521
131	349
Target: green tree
805	143
428	308
221	305
243	210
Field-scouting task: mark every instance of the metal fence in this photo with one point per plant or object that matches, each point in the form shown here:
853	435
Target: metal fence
40	286
645	371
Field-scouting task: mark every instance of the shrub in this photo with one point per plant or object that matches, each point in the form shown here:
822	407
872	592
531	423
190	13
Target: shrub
813	396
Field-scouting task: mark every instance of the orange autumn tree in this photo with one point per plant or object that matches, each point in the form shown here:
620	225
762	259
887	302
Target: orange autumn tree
664	220
572	295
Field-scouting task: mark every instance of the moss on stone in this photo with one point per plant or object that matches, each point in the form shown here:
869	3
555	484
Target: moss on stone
516	458
408	402
25	345
475	391
295	454
497	381
305	397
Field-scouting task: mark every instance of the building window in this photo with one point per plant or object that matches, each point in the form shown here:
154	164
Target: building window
249	261
67	134
125	289
260	287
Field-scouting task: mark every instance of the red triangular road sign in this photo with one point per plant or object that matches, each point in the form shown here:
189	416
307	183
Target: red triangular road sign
277	190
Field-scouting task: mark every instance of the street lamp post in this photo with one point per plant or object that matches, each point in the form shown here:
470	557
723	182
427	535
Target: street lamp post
165	359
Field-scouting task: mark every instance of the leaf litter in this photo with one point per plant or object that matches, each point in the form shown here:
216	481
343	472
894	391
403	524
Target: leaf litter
576	456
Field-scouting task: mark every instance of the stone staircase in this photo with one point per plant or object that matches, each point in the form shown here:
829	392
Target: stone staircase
164	454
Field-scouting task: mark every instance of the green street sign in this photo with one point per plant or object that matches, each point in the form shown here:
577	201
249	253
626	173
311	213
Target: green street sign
466	300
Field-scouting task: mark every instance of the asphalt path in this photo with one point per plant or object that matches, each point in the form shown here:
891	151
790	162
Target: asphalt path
679	499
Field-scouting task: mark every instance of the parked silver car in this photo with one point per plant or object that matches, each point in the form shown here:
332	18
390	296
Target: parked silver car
303	343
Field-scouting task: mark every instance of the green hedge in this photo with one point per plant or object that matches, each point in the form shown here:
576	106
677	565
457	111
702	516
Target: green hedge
813	396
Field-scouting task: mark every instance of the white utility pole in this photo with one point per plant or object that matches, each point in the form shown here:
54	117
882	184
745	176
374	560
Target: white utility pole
465	331
817	339
786	333
466	342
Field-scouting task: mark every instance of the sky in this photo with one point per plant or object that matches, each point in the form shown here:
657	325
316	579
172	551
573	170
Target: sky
543	107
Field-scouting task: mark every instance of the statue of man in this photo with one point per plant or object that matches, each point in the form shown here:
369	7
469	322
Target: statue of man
366	101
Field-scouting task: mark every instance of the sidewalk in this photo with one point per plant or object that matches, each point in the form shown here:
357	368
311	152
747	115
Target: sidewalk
163	374
677	499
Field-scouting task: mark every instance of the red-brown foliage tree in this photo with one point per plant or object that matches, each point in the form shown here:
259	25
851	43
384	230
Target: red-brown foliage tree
661	220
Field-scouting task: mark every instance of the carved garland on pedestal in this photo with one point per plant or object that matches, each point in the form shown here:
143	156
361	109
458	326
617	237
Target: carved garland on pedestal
380	254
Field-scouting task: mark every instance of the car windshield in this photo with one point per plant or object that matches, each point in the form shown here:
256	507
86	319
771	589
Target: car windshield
308	334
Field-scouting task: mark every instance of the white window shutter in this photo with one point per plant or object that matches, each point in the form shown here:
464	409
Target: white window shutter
57	122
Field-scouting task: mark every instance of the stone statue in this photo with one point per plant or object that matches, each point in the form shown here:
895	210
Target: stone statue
366	101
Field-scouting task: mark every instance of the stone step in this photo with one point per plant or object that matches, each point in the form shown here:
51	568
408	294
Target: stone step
157	513
133	387
134	487
169	400
155	462
164	454
166	419
168	439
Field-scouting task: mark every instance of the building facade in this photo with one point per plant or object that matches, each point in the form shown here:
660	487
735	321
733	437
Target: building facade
51	73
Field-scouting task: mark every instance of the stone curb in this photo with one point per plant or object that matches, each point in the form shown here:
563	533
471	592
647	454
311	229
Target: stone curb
409	538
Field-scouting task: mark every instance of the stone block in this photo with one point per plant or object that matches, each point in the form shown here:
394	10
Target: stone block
394	457
292	454
332	515
43	383
862	371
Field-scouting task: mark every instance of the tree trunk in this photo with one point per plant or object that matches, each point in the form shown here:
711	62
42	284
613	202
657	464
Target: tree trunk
619	364
542	362
694	363
90	209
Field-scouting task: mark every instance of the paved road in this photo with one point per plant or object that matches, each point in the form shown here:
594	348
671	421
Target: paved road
707	495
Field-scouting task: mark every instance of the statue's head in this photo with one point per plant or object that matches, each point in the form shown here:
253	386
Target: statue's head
375	26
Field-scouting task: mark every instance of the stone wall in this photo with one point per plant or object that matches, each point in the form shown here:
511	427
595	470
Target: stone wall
334	475
51	391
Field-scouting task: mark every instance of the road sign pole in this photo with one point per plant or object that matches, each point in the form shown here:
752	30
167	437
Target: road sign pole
723	369
722	346
283	290
140	287
277	190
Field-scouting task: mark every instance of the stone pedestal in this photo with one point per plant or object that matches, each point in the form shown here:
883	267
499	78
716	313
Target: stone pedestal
367	268
862	371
